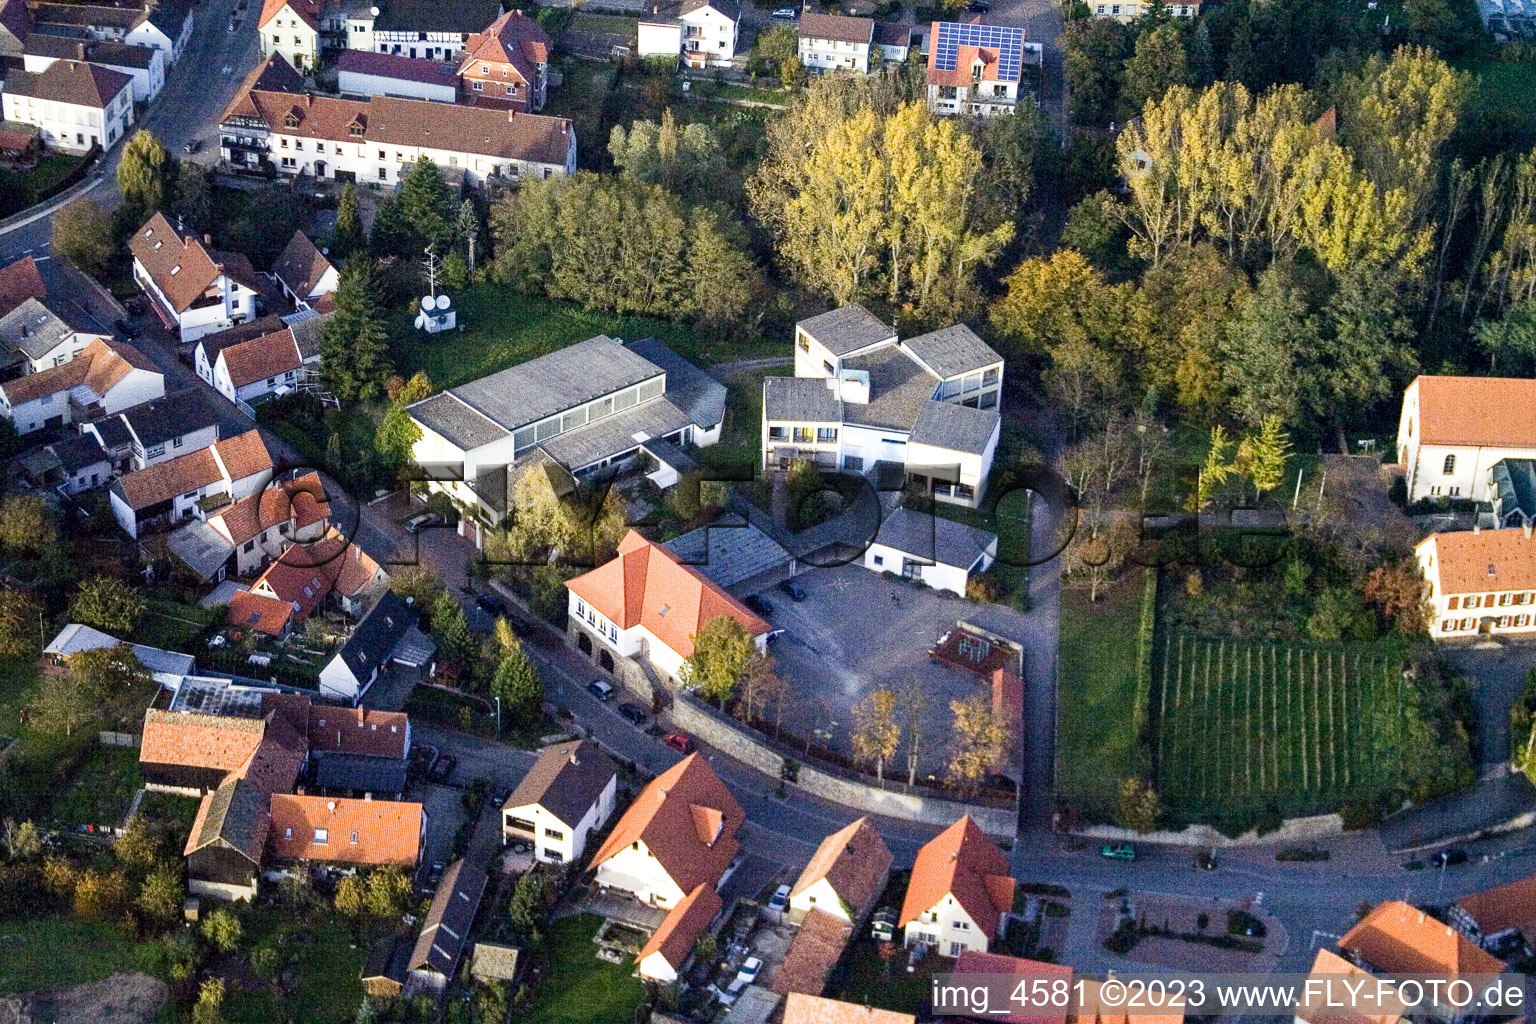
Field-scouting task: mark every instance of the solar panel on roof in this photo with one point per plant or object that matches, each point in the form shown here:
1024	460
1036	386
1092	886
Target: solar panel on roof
1008	41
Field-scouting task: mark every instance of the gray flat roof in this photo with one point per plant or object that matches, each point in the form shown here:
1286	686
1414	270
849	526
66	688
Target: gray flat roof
729	551
362	772
614	435
531	391
447	416
952	351
957	428
201	547
800	399
943	541
898	389
847	329
688	387
34	329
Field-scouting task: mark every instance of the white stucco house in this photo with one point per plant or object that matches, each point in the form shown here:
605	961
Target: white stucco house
74	104
710	29
195	289
597	406
834	42
165	25
273	364
845	876
975	68
193	485
960	894
1454	430
1127	11
144	64
412	28
386	636
942	553
364	73
1479	582
861	398
107	378
291	28
567	795
646	604
40	338
165	428
304	272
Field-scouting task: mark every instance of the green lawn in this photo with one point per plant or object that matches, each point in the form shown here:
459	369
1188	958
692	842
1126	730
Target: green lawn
1096	732
328	965
175	810
1505	96
52	952
503	328
24	188
100	790
578	988
740	446
172	625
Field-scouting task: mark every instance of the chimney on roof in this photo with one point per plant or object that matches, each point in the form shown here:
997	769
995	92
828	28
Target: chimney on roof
360	714
1525	527
367	795
1477	527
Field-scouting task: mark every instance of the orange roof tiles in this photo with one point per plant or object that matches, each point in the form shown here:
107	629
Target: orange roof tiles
1512	905
1094	1011
270	355
806	1009
1312	1009
1468	562
238	457
310	11
680	929
243	455
512	39
961	862
182	269
976	962
1399	939
1476	411
354	831
263	614
663	817
816	948
274	765
199	741
647	586
854	860
100	366
19	282
301	264
301	501
357	731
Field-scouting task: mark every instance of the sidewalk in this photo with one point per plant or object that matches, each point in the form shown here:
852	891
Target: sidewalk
17	221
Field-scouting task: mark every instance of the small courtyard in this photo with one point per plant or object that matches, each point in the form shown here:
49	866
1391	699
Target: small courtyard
858	631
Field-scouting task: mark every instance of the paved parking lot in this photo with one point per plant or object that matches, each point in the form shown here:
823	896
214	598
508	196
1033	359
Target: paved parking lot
849	637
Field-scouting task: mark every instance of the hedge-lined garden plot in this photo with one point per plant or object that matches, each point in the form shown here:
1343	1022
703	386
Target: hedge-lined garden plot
1300	726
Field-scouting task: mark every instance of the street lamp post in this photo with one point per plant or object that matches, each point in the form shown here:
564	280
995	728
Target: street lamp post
498	716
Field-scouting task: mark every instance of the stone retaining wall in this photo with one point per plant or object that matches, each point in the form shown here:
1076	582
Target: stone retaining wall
736	741
1292	830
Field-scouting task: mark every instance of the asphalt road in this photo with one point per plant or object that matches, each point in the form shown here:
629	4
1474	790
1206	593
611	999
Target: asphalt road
196	92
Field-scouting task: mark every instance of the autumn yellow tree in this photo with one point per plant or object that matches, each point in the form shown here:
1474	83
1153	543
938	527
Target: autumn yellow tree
980	741
876	734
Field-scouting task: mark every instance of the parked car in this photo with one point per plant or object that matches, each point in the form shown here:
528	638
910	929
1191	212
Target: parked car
780	898
727	996
125	328
979	6
1449	856
1205	860
786	13
416	524
749	970
634	713
759	604
678	742
193	146
600	689
491	604
443	769
1118	851
795	591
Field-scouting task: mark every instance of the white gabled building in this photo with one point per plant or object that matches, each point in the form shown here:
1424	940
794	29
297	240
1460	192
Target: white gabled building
942	553
861	397
165	25
975	68
107	378
567	795
960	893
75	105
1479	582
292	28
832	42
40	339
709	31
845	876
144	64
192	485
377	140
194	289
1453	431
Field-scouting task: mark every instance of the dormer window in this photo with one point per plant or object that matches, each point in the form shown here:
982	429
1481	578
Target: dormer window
291	121
355	129
976	70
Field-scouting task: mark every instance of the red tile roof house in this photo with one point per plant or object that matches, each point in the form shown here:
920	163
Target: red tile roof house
960	892
195	289
1479	581
376	140
1454	430
260	527
241	747
302	580
806	1009
20	281
646	604
302	271
845	875
507	65
75	105
191	486
1495	915
106	378
973	962
671	849
272	365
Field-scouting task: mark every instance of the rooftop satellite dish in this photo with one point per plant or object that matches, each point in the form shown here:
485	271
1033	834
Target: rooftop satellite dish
442	302
373	11
426	302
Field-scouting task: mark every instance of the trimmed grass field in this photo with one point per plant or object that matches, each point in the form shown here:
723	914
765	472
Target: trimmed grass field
503	328
1304	726
54	952
100	791
1096	730
578	988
